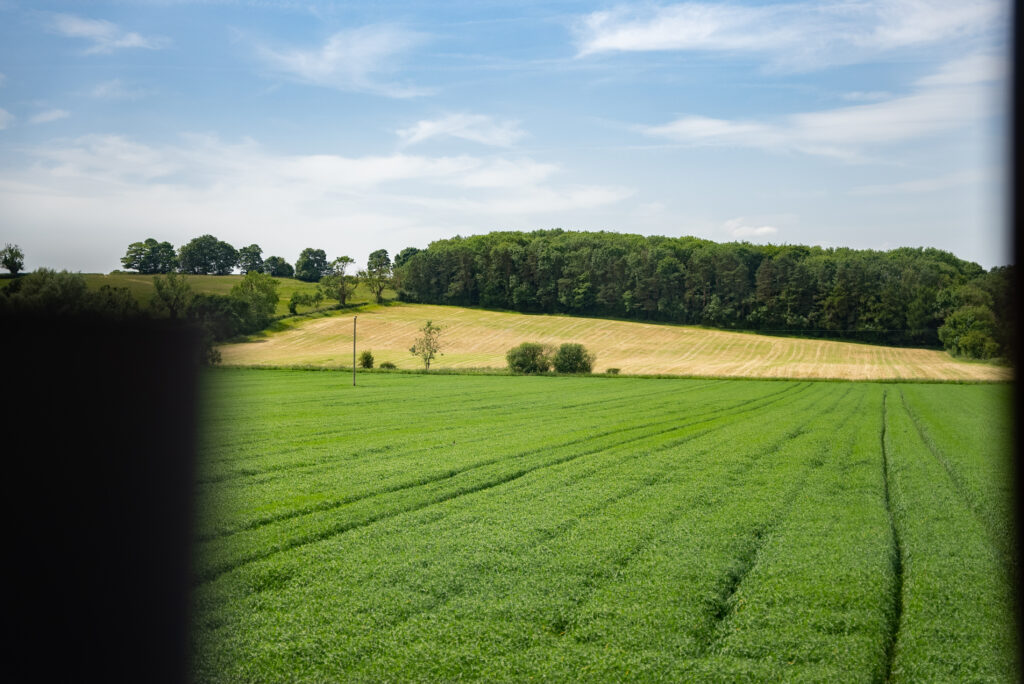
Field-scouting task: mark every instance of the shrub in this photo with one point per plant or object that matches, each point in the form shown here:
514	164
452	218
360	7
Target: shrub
366	359
612	371
388	365
573	358
529	357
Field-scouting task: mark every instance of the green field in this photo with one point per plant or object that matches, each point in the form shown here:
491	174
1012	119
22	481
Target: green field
511	528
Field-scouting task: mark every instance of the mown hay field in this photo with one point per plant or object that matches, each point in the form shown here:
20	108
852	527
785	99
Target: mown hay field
500	528
475	338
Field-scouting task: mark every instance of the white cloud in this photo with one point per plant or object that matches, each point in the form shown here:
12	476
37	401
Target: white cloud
793	35
241	192
867	96
921	185
473	127
115	90
739	228
105	36
968	70
943	104
5	118
349	60
50	115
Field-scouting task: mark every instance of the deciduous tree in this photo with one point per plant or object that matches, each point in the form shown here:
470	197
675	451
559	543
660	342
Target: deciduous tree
428	344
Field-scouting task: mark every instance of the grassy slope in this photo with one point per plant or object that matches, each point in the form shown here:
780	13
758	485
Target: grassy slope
509	528
478	338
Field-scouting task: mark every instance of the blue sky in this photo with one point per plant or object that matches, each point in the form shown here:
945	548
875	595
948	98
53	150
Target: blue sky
354	126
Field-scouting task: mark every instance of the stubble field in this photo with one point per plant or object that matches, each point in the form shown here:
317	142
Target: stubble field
475	338
506	528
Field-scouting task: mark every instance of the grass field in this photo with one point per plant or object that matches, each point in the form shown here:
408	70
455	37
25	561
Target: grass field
512	528
476	338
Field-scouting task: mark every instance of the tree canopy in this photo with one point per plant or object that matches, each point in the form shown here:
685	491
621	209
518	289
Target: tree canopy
150	256
206	255
311	265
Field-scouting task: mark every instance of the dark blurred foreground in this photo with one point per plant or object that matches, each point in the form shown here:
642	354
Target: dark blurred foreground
100	422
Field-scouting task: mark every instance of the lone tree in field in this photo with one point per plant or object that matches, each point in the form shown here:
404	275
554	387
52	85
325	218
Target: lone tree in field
251	259
428	344
12	258
150	257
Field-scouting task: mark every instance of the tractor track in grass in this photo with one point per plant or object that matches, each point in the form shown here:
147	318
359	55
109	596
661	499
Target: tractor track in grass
545	536
218	569
957	483
721	605
333	504
610	404
897	553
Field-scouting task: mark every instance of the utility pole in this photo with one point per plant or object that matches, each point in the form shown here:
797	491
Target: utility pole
354	350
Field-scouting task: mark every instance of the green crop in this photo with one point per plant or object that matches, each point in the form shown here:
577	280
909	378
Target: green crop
506	528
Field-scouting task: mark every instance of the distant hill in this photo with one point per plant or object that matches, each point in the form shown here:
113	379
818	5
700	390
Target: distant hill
475	338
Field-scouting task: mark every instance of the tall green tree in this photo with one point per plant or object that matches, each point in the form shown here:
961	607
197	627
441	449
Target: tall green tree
12	258
206	255
337	284
250	258
173	295
278	267
259	291
311	265
377	275
150	256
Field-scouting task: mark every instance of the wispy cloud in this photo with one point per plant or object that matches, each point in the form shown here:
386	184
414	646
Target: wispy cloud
791	35
105	36
5	118
921	185
349	60
741	229
50	115
951	99
473	127
115	89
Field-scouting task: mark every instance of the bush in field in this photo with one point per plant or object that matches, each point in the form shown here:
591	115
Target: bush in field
572	357
612	371
529	357
428	344
366	359
388	365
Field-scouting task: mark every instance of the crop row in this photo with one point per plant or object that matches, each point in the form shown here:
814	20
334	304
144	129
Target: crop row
665	530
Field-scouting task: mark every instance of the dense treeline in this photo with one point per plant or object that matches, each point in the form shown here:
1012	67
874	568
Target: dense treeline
905	296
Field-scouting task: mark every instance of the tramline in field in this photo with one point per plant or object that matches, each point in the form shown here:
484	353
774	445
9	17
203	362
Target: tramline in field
503	528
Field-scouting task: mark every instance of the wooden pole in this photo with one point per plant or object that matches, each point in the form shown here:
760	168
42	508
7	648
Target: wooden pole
354	350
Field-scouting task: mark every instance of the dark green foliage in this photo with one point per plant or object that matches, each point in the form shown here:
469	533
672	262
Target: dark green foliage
612	371
150	256
311	265
895	297
60	293
251	259
573	358
969	331
530	357
377	275
404	256
259	292
387	365
12	258
173	295
206	255
278	267
335	284
366	359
